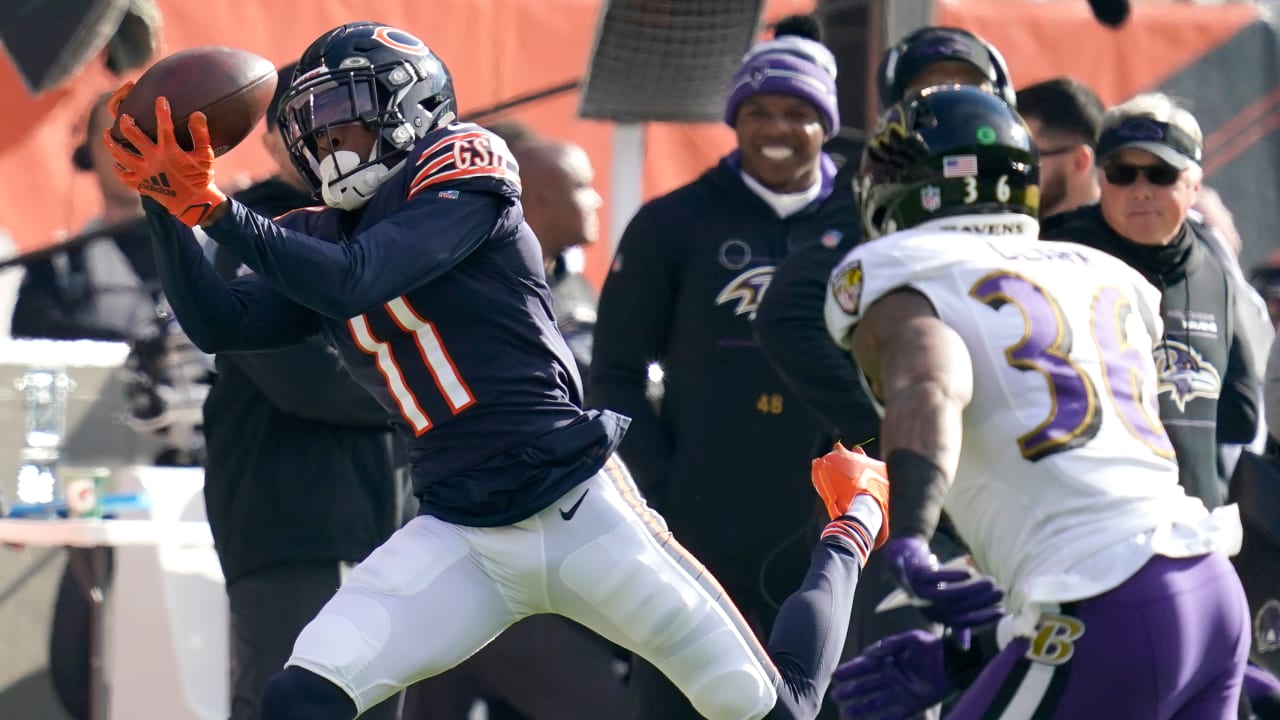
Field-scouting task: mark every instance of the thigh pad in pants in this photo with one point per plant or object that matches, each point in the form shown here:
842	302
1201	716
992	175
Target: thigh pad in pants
416	607
663	606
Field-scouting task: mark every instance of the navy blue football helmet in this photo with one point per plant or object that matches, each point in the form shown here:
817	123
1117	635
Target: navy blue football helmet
368	73
902	64
947	150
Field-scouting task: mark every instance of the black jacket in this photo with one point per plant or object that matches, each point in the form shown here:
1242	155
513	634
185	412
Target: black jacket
299	464
790	325
726	456
1209	382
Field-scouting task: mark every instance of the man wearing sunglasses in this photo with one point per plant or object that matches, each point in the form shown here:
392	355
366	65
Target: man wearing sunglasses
1149	153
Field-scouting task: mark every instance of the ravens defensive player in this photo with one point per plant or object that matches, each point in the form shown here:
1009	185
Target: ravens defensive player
789	321
1019	392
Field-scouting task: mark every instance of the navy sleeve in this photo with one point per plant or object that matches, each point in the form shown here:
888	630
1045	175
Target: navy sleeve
308	380
808	635
1238	417
417	243
790	327
245	314
632	327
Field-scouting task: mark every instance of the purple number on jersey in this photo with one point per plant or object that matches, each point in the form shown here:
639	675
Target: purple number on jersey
1075	415
1122	366
1046	348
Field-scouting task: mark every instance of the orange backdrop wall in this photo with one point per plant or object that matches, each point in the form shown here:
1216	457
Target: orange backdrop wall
496	49
499	49
1046	39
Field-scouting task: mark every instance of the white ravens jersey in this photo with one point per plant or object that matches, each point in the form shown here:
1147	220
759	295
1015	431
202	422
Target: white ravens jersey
1063	456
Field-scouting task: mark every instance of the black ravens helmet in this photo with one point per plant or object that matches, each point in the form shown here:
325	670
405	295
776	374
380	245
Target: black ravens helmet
948	150
369	73
904	62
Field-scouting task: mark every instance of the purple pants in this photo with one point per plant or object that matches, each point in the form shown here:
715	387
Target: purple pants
1169	643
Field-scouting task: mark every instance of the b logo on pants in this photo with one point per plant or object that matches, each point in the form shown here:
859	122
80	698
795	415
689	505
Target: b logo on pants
1054	643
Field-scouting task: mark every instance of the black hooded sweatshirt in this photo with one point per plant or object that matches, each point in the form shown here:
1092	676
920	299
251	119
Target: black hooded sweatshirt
725	455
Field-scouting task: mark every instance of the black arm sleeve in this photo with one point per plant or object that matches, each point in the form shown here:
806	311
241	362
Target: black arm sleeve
918	490
808	636
636	306
1242	383
245	314
791	329
309	380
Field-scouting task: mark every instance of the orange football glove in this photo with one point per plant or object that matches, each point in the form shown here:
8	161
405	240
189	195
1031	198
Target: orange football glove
841	475
181	181
117	97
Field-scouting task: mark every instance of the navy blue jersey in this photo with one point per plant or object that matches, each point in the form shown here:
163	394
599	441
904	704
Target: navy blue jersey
435	296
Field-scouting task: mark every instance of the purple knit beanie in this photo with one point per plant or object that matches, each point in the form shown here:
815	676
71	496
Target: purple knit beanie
788	65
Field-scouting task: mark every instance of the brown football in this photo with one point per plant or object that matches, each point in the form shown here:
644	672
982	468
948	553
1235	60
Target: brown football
231	87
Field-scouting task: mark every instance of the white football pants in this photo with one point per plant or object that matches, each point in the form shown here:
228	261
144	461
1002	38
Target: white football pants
435	592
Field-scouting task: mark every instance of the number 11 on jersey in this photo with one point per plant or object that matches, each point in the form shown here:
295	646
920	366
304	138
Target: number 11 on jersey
432	353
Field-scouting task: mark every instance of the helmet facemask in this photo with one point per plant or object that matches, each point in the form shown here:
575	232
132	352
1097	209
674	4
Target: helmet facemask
395	101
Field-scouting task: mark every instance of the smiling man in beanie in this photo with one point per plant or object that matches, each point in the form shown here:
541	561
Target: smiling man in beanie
725	454
779	90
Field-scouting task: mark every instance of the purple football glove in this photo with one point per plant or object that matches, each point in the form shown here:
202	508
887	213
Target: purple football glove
895	679
957	598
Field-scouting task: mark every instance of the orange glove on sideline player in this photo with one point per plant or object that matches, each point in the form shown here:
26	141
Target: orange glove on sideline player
179	180
842	475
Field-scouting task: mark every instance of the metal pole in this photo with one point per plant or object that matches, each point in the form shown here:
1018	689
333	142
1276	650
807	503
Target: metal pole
626	178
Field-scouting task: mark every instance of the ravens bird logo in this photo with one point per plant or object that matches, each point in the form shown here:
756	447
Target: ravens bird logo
748	289
892	123
1184	375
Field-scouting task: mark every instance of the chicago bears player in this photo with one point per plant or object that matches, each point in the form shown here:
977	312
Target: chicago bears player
422	274
1018	391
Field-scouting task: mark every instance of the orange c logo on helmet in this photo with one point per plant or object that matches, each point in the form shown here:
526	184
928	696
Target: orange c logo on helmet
397	39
